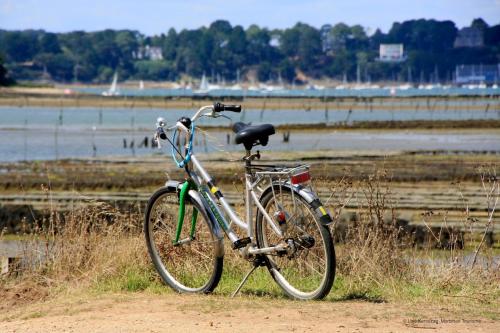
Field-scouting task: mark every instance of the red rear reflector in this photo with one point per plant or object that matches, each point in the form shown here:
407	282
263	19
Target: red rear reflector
301	178
281	217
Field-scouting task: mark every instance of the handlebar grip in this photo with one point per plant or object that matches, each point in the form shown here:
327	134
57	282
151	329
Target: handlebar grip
161	133
218	107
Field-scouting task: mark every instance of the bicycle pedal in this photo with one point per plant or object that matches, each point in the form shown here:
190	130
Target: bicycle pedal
242	242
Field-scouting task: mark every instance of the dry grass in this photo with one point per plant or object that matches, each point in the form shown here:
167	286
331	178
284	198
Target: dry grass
98	248
82	248
377	261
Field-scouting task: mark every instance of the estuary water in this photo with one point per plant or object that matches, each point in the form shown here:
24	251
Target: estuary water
429	90
43	133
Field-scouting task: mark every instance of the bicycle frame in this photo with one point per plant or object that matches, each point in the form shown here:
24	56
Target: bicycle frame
206	186
212	194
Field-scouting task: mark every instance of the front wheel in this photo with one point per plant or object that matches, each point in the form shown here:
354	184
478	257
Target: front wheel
308	270
194	263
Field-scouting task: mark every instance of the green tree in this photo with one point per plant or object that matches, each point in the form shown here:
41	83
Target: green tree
287	70
21	45
429	35
59	66
258	48
309	48
480	24
154	70
169	47
49	43
492	38
264	71
4	79
339	35
290	40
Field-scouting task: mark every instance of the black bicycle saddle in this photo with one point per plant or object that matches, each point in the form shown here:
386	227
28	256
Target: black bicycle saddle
252	135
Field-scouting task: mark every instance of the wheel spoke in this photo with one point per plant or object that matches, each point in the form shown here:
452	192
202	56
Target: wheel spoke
305	273
185	267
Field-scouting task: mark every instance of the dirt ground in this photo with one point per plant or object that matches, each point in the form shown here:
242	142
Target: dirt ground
143	312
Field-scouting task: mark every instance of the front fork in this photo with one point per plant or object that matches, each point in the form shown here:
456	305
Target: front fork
182	211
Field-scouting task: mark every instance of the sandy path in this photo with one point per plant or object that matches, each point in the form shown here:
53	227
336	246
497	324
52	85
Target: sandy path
174	313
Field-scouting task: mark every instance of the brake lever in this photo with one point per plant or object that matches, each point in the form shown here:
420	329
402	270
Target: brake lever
156	137
161	131
209	115
223	115
216	115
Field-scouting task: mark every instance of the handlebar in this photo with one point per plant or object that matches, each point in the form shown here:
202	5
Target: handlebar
187	126
218	107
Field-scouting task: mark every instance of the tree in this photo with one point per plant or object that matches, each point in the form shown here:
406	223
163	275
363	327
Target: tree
429	35
154	70
480	24
237	42
264	71
258	48
21	45
287	70
339	35
49	43
59	66
290	40
170	44
309	47
221	49
4	79
492	36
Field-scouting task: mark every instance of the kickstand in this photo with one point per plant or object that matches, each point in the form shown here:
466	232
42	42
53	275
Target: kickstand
258	262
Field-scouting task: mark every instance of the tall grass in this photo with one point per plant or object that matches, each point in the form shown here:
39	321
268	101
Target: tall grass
94	246
102	249
380	261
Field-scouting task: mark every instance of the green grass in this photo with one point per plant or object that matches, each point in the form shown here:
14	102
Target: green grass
33	315
132	279
345	288
13	237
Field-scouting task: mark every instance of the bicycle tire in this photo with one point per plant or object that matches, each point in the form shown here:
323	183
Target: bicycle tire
196	255
291	278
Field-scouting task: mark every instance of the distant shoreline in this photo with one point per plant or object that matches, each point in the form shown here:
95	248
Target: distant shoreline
55	97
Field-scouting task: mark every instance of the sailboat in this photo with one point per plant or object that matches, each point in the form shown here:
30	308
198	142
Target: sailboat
113	89
237	85
141	85
205	86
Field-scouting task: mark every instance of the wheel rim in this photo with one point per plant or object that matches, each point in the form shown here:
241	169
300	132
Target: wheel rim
190	266
305	273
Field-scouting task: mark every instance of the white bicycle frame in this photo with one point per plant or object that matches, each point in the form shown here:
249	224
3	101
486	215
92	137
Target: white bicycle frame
212	194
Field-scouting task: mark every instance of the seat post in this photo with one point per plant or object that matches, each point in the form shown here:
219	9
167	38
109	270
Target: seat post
248	161
248	199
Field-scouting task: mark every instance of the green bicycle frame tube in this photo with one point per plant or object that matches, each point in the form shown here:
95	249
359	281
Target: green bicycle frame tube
182	211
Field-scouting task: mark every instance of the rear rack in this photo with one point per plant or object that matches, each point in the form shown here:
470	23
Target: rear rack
278	174
281	171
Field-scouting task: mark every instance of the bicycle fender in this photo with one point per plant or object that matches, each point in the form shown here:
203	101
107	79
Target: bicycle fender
214	226
310	197
173	185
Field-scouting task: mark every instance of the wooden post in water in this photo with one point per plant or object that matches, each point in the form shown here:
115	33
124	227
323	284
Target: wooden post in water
56	141
25	139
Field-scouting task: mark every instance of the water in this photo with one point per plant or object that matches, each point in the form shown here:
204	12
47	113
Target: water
38	133
368	92
37	118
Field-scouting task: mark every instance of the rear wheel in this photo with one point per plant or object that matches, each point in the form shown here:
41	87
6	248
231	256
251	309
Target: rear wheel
308	271
193	266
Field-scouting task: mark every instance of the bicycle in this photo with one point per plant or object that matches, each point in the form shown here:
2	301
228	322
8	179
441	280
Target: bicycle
289	235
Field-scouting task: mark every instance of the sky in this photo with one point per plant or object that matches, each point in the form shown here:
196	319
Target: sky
153	17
